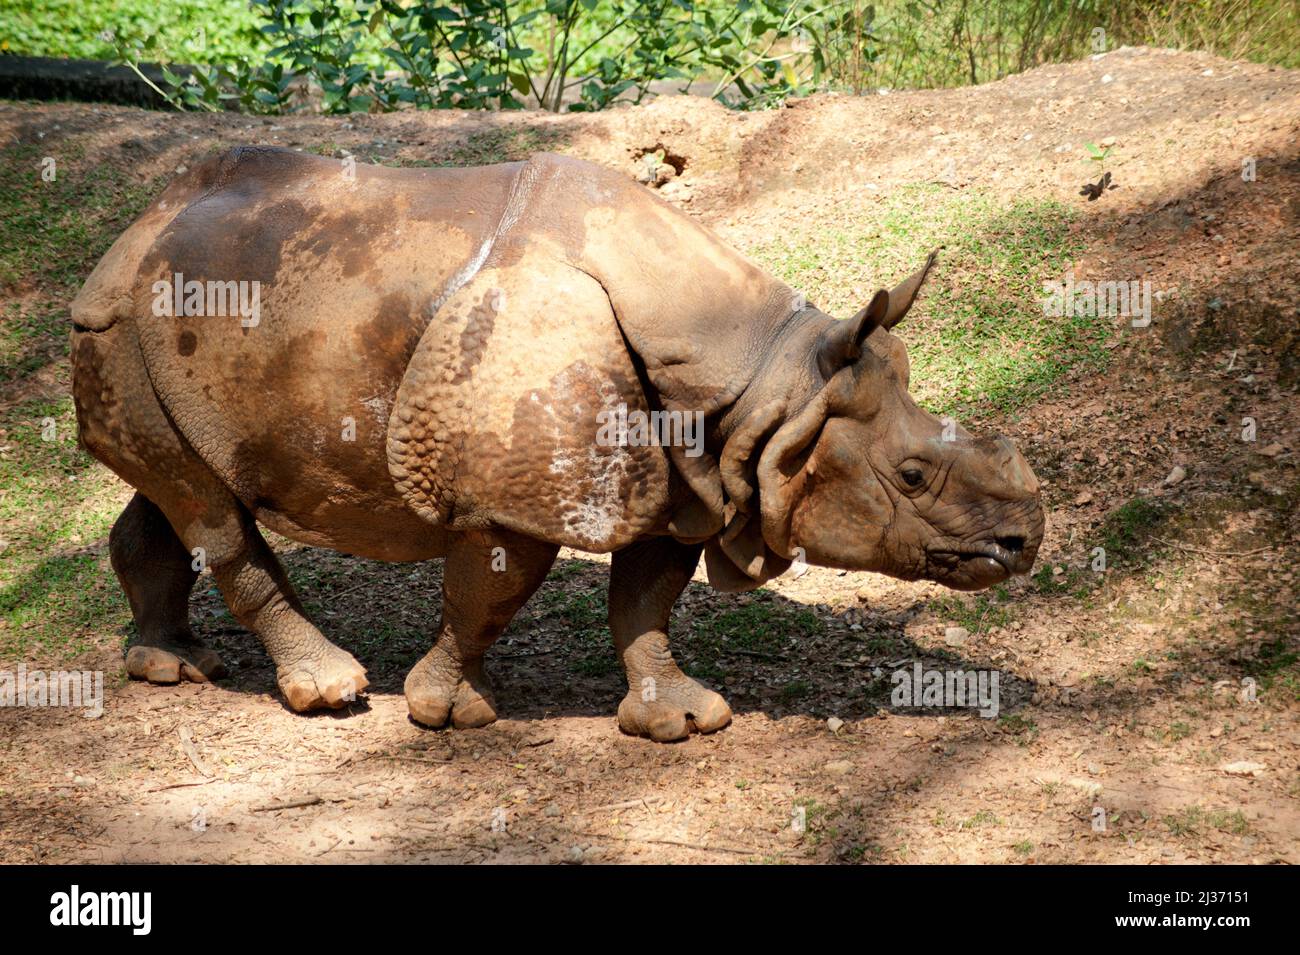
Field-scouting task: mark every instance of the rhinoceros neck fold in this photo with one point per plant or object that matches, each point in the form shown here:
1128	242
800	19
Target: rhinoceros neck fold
520	192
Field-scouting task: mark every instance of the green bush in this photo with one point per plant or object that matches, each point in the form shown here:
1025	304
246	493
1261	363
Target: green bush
360	55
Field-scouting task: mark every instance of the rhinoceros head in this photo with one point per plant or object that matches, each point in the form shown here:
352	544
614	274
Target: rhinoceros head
862	478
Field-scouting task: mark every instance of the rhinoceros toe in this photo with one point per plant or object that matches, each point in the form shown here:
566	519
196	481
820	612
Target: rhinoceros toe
328	682
173	662
673	712
440	691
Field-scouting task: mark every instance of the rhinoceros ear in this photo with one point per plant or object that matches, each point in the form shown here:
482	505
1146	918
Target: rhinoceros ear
903	295
841	344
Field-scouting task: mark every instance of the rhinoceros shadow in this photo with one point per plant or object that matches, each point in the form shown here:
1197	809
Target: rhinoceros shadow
763	651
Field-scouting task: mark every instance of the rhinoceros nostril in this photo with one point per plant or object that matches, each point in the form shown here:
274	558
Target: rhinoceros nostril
1012	545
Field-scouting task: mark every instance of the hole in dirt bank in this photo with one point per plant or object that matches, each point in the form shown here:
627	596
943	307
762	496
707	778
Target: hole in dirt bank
657	165
664	155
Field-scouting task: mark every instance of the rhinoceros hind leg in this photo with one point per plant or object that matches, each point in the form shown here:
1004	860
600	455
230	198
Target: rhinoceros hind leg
488	576
312	672
155	571
662	702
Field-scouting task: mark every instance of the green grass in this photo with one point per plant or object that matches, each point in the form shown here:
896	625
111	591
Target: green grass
507	144
758	630
1193	820
1278	665
74	28
51	235
54	503
980	820
978	338
1127	530
584	615
977	614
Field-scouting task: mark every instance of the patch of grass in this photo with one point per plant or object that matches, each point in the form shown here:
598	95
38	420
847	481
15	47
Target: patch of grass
54	507
1193	820
977	614
980	820
1278	666
794	691
504	144
1020	726
979	338
759	629
1127	529
52	233
585	616
814	817
1072	580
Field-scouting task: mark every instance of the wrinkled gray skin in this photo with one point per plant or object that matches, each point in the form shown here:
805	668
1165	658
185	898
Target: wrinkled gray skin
469	327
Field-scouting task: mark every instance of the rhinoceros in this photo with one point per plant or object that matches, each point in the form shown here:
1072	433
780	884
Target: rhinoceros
405	364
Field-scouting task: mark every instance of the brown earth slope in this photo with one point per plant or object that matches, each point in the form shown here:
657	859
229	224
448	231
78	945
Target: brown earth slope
1148	711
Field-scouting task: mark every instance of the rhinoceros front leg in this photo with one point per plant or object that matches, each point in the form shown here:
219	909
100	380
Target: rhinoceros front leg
487	577
662	702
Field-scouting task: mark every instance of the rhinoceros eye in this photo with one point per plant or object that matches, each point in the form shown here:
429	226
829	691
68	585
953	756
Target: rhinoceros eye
912	477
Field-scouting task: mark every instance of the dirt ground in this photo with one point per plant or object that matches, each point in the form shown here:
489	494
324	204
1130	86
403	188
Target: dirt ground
1163	690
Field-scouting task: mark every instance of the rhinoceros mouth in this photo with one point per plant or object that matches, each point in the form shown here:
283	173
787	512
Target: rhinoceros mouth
974	566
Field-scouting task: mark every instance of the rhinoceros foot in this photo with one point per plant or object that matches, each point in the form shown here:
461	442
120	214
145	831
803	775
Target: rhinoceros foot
672	711
172	661
330	679
439	690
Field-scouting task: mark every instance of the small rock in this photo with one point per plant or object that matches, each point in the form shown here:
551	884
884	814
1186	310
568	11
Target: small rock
1272	451
1176	475
956	636
1084	497
839	767
835	724
1243	768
